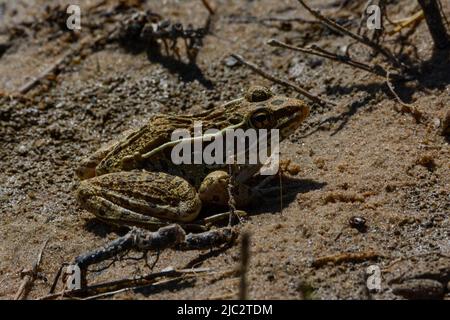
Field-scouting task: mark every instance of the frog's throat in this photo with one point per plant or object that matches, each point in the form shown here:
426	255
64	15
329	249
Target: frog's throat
203	137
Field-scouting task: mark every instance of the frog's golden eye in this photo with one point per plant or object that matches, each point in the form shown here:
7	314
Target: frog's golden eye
261	119
258	94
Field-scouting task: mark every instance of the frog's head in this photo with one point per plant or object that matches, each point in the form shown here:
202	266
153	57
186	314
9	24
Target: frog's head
262	109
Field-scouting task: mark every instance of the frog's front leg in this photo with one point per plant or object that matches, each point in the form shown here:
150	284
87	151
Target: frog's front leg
214	190
139	198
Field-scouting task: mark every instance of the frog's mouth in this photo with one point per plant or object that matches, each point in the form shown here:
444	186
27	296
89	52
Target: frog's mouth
291	121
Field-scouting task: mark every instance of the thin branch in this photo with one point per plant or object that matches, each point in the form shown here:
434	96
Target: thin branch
125	283
30	276
404	23
111	293
354	257
314	50
231	200
58	64
406	107
53	67
282	82
362	39
172	236
245	255
391	88
253	19
137	239
433	16
221	216
208	7
208	240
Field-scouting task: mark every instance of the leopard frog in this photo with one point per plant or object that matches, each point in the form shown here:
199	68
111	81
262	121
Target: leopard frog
132	181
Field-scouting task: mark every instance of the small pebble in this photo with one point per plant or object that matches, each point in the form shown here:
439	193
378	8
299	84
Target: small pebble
358	223
230	62
22	150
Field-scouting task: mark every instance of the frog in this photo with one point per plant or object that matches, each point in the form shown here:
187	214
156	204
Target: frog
132	181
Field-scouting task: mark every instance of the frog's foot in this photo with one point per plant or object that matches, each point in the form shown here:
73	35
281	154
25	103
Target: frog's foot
146	199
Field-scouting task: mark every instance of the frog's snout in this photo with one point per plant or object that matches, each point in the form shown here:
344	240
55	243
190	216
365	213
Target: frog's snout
291	115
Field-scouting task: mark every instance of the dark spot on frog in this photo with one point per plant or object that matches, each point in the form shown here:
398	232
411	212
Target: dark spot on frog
235	120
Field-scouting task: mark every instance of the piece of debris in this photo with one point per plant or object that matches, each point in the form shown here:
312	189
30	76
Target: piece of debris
245	256
30	275
343	196
290	167
427	161
171	236
353	257
117	286
230	61
359	223
283	82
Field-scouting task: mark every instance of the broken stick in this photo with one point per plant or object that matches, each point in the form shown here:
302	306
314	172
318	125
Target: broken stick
282	82
364	40
30	275
314	50
114	286
346	257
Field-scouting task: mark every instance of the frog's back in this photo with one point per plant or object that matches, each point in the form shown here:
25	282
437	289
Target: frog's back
125	154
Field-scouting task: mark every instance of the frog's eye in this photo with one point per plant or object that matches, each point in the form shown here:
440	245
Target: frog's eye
261	119
258	94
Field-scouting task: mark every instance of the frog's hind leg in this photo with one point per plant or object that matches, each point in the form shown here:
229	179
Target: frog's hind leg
146	199
118	216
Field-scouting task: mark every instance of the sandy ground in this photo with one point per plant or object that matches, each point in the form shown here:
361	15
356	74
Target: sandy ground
364	157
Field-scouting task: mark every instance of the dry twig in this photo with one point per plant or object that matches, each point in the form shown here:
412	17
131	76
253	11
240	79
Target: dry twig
404	23
58	64
406	107
346	257
391	88
433	17
30	275
231	200
314	50
208	7
282	82
53	67
362	39
158	283
117	286
137	239
245	256
172	236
